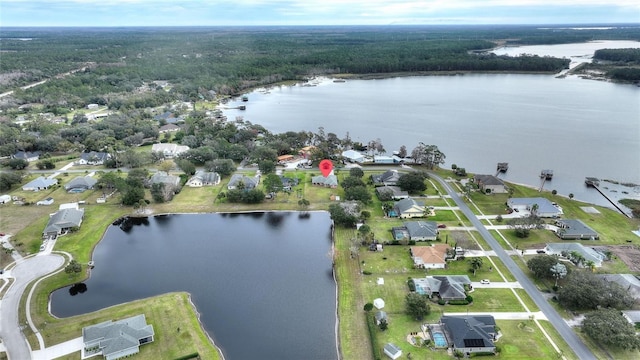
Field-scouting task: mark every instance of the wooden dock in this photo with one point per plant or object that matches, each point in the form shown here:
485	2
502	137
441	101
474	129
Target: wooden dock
595	183
545	175
502	167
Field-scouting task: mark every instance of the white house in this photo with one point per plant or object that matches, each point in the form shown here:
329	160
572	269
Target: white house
203	178
546	208
169	150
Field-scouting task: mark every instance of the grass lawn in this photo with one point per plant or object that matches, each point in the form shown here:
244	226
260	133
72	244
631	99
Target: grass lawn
560	343
522	339
174	319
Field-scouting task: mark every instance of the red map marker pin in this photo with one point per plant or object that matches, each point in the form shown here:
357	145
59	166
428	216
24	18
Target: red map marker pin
325	167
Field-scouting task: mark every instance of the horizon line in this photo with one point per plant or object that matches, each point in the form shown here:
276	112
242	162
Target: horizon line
587	24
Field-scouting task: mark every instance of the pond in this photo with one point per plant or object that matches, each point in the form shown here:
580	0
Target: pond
264	279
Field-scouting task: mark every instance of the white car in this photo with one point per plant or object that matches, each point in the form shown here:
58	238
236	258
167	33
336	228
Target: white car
485	281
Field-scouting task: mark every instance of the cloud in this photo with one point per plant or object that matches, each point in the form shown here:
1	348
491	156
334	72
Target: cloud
312	12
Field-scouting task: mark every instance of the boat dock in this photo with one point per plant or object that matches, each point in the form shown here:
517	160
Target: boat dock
502	167
545	175
595	183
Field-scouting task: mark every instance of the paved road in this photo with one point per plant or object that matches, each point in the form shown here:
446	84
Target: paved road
574	342
24	272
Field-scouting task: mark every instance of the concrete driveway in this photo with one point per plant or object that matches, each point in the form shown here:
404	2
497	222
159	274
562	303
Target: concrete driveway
24	272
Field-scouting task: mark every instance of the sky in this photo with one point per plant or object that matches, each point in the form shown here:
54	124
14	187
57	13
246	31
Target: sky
313	12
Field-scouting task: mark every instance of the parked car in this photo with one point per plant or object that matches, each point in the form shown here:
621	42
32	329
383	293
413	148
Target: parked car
442	226
485	281
541	251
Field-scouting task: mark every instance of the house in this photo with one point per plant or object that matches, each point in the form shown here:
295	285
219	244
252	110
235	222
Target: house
247	182
116	340
307	151
632	316
288	183
353	156
168	128
167	117
47	201
41	183
203	178
63	221
389	177
162	177
629	282
329	181
546	208
409	208
379	316
80	184
169	150
422	230
381	159
446	287
285	159
27	155
5	199
490	184
392	351
393	192
430	257
93	158
566	248
575	230
93	106
470	334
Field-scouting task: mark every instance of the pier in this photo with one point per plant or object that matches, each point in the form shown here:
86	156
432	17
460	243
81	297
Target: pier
544	176
502	167
595	183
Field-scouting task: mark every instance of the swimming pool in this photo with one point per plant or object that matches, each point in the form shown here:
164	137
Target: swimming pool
439	339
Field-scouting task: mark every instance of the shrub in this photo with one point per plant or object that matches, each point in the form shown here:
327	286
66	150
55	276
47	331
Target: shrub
368	307
441	302
366	272
412	242
499	218
411	284
458	302
469	299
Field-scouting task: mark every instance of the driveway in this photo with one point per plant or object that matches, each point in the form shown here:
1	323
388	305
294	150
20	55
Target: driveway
24	272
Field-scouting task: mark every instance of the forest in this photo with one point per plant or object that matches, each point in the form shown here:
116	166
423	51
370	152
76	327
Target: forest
117	62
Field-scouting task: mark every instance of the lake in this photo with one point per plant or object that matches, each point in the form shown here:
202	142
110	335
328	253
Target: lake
573	126
262	282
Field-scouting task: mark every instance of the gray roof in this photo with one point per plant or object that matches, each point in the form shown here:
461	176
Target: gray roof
470	331
392	348
575	229
422	229
394	191
40	183
206	177
95	156
590	254
390	177
26	155
406	204
114	337
163	177
629	282
448	287
249	182
488	180
64	219
544	205
81	182
330	180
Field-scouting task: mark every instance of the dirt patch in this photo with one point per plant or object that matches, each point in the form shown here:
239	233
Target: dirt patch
629	254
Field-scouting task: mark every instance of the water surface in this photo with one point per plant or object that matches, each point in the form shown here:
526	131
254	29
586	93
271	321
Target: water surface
262	282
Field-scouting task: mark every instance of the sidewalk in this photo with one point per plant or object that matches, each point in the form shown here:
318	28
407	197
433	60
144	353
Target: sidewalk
59	350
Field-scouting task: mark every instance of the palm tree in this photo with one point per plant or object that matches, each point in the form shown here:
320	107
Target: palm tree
591	265
476	263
